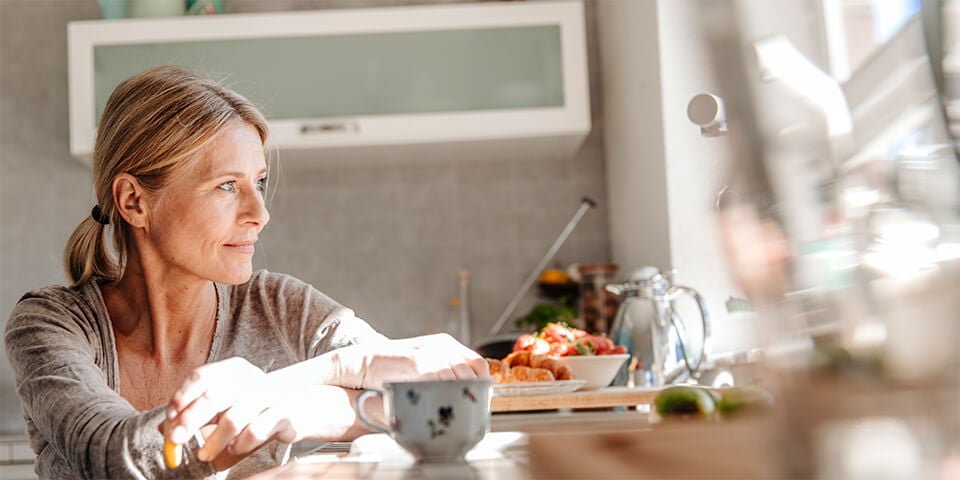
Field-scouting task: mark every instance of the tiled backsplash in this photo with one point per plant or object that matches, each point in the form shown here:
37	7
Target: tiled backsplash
387	241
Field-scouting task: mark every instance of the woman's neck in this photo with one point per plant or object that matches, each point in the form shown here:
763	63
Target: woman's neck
165	316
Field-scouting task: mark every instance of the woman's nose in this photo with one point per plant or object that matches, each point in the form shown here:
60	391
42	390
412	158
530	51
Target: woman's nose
255	208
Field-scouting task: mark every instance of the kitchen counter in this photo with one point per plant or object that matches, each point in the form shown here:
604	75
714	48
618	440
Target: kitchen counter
549	445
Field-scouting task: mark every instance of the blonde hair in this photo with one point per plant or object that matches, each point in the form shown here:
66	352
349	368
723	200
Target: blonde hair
154	125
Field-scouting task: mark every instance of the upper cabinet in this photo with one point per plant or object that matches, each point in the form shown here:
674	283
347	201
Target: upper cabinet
468	74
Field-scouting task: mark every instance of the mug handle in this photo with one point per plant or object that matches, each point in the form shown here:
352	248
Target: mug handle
369	422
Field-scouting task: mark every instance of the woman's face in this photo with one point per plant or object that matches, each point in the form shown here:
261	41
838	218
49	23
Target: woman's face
206	221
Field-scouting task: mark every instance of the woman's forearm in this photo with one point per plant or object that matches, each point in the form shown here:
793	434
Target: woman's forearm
371	364
329	413
321	370
344	367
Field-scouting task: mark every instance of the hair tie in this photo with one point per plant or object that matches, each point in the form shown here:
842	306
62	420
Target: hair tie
99	216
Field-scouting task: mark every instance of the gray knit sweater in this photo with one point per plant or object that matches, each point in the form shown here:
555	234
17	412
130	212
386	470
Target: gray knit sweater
61	346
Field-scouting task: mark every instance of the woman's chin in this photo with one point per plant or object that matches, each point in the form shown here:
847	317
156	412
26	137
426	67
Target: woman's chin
237	276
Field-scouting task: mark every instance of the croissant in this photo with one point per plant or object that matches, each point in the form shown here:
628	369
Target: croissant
556	367
527	359
521	373
521	357
498	371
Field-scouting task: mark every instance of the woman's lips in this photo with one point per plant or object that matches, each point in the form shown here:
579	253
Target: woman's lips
245	247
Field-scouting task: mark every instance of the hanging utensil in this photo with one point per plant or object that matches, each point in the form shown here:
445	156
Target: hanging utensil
487	346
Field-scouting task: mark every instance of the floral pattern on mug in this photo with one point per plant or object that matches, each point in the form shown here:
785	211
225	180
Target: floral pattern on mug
413	396
446	415
467	393
434	430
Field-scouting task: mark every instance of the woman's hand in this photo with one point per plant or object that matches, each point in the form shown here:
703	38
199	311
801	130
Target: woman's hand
430	357
237	408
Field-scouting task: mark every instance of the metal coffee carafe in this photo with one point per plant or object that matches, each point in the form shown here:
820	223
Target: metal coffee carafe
654	333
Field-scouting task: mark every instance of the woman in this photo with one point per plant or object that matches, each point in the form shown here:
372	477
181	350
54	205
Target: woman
169	334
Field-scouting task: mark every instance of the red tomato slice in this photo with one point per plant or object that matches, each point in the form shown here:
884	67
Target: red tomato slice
561	350
618	349
556	333
524	342
540	346
602	345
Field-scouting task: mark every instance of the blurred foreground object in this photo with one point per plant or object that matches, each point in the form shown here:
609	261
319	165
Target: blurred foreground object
841	226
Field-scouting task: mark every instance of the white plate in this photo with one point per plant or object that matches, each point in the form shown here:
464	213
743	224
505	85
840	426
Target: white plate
536	388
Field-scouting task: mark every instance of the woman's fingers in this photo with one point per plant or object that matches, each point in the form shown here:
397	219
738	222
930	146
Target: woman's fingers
228	426
480	366
205	382
429	357
209	391
458	356
199	413
260	430
196	385
446	374
463	371
470	360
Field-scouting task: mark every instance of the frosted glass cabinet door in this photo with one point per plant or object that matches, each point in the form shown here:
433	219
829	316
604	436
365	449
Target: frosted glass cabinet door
361	77
363	74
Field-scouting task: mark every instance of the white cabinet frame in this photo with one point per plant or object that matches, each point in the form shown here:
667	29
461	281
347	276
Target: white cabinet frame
570	122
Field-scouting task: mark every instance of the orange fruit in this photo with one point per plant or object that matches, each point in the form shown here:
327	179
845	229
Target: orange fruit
554	275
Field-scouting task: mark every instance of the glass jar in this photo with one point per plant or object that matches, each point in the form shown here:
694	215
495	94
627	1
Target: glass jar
598	307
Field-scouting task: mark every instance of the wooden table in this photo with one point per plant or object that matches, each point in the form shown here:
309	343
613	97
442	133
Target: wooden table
500	456
551	437
509	459
527	416
586	445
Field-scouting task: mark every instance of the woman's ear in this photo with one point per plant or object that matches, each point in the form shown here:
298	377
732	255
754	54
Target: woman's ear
128	197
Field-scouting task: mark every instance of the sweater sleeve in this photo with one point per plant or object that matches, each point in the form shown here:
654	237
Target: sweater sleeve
312	322
338	327
55	346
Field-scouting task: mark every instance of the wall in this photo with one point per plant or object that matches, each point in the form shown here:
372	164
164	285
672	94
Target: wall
663	177
387	241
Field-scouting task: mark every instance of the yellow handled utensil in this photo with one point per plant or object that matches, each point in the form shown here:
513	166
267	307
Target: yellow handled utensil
172	453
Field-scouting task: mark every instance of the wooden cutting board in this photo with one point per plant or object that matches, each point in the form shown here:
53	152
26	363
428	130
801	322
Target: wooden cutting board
599	398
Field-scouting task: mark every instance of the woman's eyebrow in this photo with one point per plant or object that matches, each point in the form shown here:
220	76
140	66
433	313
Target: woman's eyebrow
233	174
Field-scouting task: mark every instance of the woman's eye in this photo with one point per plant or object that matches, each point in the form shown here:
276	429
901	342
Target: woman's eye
230	186
262	184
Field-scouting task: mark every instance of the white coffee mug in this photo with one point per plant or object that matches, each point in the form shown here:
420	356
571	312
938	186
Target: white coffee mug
436	421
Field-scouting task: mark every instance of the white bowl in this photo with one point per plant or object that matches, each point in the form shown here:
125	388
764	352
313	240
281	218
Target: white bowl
597	370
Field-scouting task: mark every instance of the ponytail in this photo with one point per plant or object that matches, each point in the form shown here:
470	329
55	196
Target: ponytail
86	256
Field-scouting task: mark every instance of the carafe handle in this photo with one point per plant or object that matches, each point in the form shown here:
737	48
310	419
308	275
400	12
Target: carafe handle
678	325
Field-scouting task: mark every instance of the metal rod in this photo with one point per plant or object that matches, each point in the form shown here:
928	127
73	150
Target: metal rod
585	204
